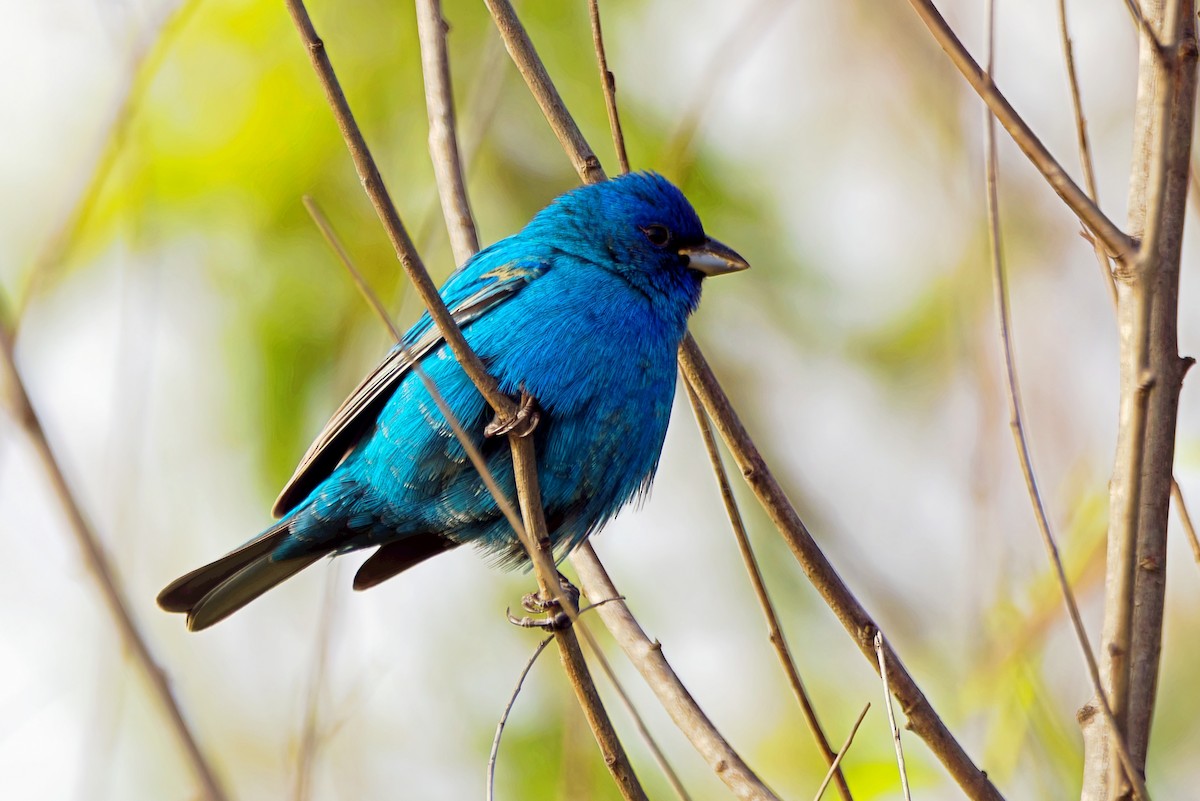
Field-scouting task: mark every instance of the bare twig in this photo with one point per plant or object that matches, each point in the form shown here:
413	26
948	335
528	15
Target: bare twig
837	760
774	629
443	141
887	699
491	764
923	720
307	752
1185	519
639	723
98	564
1117	243
922	717
535	542
520	48
1013	395
646	655
610	87
372	181
1085	150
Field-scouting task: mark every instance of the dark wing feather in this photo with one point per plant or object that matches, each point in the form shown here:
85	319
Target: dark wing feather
358	413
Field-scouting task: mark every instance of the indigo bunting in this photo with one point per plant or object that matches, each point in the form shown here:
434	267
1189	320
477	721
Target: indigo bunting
584	311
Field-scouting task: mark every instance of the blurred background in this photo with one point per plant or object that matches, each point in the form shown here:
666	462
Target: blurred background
184	332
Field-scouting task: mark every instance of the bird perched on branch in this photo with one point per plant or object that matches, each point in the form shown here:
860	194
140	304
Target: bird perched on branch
584	311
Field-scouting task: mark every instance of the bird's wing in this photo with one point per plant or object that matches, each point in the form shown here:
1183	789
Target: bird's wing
470	293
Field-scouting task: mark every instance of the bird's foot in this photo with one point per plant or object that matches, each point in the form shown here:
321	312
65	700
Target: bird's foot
537	603
522	423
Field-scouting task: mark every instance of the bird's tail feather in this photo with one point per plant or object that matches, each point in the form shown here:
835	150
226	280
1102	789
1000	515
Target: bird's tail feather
213	592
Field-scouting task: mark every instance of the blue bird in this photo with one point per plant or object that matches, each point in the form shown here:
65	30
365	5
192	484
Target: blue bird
584	310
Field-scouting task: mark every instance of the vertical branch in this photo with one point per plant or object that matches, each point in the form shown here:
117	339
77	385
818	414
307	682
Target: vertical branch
98	564
609	83
1085	149
1151	376
774	629
443	141
1013	394
520	48
922	718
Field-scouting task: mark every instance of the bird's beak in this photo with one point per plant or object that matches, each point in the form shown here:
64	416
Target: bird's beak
713	258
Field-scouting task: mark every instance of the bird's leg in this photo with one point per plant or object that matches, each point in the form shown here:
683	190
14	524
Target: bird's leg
537	603
522	423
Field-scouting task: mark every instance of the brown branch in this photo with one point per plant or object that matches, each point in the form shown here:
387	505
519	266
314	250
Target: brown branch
443	142
609	83
837	760
535	541
1185	519
1085	149
922	718
1013	394
1116	242
530	531
646	655
516	41
372	181
98	564
774	629
1151	377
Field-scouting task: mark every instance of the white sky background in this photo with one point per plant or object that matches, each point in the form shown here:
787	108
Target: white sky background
890	479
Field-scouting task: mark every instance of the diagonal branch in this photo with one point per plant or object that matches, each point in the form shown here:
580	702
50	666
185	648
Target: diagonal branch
922	718
609	83
774	629
533	533
1118	244
101	568
646	655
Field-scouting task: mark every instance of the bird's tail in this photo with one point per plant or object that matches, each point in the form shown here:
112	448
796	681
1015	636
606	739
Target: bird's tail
211	593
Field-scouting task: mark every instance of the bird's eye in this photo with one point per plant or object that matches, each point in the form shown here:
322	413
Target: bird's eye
658	235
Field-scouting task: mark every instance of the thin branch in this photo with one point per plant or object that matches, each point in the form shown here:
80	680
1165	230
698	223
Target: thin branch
774	629
1016	414
639	723
307	752
1116	242
443	142
922	717
837	760
923	720
512	700
98	564
372	181
520	48
646	655
1185	519
887	699
1085	150
610	87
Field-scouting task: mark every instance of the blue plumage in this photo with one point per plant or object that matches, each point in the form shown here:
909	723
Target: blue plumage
584	308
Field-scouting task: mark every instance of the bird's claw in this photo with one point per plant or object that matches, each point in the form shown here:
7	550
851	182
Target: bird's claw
537	603
522	423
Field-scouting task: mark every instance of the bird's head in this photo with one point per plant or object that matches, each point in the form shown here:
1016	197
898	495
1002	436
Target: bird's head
641	227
